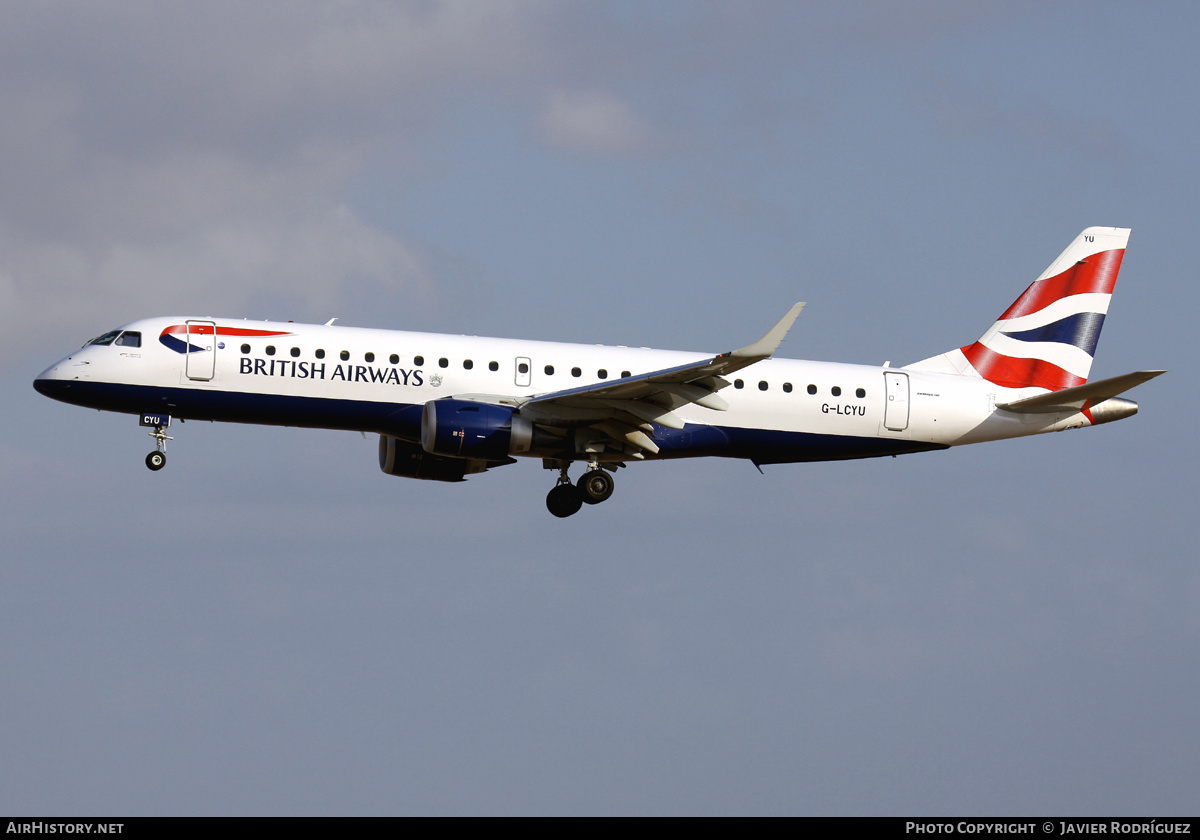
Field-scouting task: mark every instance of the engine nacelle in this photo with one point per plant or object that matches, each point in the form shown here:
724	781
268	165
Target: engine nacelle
464	429
408	460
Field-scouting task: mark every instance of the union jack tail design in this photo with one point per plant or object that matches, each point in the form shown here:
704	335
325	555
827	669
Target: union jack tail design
1047	338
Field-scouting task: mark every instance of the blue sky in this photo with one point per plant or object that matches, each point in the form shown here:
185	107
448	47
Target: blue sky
273	626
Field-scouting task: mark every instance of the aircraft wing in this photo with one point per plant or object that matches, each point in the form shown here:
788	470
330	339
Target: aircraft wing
621	411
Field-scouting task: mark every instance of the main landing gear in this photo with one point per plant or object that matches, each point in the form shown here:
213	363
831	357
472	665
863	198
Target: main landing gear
593	487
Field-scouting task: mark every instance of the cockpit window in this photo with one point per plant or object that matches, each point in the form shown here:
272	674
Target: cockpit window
107	338
130	339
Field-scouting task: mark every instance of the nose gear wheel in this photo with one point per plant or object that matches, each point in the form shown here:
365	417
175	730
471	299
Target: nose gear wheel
157	459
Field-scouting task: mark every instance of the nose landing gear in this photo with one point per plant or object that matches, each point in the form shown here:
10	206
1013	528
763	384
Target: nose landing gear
157	459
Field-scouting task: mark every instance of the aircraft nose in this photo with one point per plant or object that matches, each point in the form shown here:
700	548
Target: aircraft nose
52	382
47	387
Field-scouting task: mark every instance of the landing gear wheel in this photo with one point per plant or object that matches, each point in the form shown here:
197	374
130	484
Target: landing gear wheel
595	486
564	500
157	460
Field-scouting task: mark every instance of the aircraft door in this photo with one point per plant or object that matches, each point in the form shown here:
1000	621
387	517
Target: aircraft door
524	371
201	355
895	411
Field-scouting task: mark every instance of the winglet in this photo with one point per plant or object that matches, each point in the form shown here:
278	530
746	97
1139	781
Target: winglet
769	343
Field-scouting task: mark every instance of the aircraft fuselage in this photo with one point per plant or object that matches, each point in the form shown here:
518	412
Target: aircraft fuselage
330	377
448	406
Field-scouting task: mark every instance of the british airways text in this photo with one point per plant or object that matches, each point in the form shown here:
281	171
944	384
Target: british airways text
315	370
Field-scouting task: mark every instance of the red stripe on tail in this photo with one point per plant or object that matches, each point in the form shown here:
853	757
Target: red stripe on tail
1095	275
1011	372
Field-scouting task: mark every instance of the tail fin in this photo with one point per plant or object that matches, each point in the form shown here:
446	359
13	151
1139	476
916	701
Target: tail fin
1047	338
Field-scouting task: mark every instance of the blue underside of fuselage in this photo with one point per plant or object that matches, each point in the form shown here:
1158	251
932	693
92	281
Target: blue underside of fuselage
762	446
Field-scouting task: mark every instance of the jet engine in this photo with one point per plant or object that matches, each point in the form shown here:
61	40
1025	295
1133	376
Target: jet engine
464	429
409	460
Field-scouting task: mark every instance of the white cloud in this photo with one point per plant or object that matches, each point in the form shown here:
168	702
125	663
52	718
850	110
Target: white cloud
194	233
175	158
593	122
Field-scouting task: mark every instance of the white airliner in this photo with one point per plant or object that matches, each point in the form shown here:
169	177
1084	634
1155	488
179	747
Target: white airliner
447	406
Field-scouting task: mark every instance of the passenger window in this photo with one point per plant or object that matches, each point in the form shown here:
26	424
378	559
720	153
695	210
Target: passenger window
576	372
270	350
246	348
602	373
130	339
394	359
522	368
812	389
345	355
762	386
493	366
549	370
787	387
295	352
624	374
320	354
443	362
860	393
419	361
468	364
739	384
368	357
836	391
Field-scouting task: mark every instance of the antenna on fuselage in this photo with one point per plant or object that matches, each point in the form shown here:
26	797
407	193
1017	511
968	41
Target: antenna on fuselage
329	323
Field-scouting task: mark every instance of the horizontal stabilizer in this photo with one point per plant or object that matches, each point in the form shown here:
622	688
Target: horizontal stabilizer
1074	399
